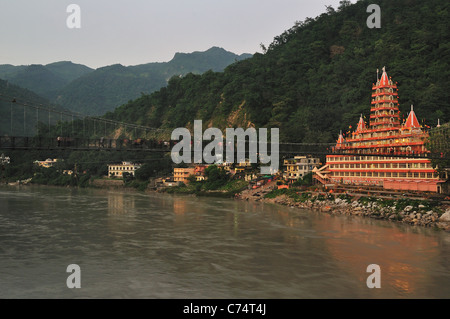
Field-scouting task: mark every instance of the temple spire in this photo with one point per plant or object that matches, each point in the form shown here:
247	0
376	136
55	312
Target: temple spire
411	121
361	125
384	77
341	138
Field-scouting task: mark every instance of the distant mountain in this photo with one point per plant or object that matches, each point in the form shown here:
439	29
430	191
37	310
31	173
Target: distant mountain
44	80
67	70
8	70
108	87
215	59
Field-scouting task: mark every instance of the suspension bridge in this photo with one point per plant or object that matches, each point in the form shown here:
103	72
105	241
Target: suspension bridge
50	128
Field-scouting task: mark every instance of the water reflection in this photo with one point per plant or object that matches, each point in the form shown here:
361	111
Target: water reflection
120	203
406	257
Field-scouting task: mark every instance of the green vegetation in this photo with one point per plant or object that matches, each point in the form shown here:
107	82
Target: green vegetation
315	79
439	143
86	166
306	180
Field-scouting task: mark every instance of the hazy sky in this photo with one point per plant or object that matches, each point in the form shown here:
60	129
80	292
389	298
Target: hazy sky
134	32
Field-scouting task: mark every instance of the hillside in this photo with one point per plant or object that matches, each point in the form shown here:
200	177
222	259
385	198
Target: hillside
108	87
23	99
315	79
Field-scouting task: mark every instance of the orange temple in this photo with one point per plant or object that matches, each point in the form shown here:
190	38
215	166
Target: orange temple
372	154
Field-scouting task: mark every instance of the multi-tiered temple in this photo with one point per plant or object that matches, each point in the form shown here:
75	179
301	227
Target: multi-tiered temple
372	154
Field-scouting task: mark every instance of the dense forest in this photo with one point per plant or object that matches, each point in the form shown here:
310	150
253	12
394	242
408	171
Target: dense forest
315	79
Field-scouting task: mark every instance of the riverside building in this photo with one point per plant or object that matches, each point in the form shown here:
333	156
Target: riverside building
372	154
117	170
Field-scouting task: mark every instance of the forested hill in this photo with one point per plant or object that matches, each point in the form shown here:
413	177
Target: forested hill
316	78
106	88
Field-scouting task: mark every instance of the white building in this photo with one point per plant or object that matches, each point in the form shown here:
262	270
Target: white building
299	166
117	170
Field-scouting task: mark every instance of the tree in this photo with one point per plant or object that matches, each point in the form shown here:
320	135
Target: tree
216	177
439	145
127	177
343	4
192	179
144	172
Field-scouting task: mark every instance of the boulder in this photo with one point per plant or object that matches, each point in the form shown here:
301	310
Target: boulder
445	217
408	208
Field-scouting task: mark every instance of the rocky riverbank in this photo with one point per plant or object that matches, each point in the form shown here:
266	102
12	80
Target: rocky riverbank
408	211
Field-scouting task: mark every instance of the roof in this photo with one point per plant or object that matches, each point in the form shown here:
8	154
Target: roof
361	124
384	78
411	121
340	139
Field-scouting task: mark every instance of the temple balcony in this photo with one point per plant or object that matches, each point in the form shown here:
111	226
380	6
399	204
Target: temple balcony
393	86
382	115
384	122
375	101
384	93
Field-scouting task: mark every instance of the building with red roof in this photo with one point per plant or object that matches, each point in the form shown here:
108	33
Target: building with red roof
374	150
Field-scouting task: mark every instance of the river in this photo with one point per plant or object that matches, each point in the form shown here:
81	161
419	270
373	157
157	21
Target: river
149	245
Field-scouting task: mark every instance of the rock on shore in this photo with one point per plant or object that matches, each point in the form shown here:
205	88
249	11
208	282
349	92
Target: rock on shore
419	216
